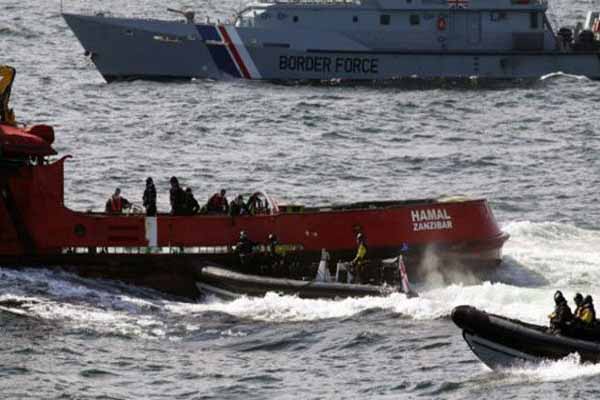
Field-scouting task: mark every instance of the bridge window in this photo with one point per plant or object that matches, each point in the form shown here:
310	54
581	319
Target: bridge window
295	19
384	19
414	19
355	19
533	20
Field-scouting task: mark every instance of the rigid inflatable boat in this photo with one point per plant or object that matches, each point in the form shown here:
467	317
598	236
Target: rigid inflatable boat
500	342
228	284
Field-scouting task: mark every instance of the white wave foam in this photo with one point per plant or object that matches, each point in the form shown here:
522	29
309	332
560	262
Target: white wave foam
567	256
568	368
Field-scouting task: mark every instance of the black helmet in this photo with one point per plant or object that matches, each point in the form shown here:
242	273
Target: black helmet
174	179
148	180
559	298
588	300
578	299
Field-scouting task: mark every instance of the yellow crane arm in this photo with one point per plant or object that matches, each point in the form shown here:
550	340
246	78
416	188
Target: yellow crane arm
7	76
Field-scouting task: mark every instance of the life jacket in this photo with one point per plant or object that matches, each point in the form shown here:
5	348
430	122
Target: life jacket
116	205
588	314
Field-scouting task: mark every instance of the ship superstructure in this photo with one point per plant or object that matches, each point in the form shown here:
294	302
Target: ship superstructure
348	40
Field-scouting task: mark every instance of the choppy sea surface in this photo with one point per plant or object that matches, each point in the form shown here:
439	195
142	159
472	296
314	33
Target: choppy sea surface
530	148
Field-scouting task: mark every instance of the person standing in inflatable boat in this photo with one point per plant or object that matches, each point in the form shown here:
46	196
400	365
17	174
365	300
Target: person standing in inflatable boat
562	314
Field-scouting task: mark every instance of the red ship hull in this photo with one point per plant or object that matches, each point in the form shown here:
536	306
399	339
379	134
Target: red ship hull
37	229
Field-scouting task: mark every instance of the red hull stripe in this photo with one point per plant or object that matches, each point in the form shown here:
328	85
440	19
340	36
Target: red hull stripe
234	52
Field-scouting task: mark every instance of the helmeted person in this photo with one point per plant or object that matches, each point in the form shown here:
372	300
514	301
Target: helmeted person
588	313
238	207
191	204
562	314
149	198
218	203
116	204
274	252
578	299
244	249
359	260
176	197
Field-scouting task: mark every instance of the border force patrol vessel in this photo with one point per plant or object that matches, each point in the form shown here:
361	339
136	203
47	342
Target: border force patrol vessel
346	40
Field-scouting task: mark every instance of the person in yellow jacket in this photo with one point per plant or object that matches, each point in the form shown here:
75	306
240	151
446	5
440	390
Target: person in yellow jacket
588	313
359	261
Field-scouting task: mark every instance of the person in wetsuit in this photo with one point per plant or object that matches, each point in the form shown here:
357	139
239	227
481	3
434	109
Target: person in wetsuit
578	299
245	251
191	204
176	197
149	198
116	204
359	262
562	315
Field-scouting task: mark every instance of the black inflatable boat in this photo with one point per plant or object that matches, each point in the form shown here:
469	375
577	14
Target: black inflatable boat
228	284
502	342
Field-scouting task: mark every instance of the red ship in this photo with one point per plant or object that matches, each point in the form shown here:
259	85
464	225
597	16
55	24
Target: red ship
37	229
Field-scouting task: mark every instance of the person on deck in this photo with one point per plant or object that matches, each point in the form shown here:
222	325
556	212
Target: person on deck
218	204
238	207
562	314
116	204
149	198
359	262
588	313
191	204
177	197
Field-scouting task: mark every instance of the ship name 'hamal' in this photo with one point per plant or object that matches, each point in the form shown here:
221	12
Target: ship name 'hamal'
431	219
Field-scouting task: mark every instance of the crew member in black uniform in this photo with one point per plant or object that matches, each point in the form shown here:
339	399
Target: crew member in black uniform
149	198
177	197
191	204
562	315
274	259
245	251
578	299
238	207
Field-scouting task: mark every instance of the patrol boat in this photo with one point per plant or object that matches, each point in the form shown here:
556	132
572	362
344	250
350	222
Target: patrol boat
324	40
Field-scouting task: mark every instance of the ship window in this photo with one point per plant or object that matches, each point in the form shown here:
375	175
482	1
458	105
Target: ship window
355	19
384	19
414	19
295	19
533	20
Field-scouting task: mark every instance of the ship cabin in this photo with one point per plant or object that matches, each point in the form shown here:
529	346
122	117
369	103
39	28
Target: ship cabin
404	25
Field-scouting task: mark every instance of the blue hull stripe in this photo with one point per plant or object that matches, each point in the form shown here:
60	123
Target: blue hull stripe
219	53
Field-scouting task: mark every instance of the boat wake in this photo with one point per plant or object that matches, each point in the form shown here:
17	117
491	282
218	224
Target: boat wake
540	258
